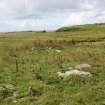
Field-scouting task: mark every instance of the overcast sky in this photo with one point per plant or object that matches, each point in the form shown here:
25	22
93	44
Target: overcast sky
16	15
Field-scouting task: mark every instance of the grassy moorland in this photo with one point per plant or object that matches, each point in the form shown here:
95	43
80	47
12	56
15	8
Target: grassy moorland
30	59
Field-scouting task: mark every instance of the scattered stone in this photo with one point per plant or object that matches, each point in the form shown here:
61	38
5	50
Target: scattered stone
14	101
74	72
10	87
34	49
58	51
82	66
61	74
49	48
6	91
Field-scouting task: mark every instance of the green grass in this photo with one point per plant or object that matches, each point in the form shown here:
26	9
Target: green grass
74	90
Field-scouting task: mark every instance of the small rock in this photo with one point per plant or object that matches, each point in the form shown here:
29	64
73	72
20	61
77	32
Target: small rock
14	101
10	87
82	66
74	72
58	51
49	48
34	49
6	91
60	74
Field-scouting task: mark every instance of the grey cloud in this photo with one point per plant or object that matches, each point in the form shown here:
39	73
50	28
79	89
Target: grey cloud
24	14
27	7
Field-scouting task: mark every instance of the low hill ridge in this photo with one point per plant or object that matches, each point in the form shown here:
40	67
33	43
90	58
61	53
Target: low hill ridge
85	27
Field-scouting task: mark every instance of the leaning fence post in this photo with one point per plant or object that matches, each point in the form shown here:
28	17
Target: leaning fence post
17	65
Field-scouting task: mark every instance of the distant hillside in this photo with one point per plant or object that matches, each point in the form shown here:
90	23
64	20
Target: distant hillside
87	27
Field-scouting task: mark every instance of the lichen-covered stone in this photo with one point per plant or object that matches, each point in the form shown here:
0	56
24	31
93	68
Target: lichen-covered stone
6	91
